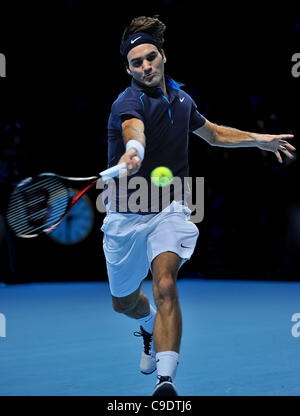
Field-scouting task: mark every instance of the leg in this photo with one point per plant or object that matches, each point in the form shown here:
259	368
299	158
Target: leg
136	305
168	323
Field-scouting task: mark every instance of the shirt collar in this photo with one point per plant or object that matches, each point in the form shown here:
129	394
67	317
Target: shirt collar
173	84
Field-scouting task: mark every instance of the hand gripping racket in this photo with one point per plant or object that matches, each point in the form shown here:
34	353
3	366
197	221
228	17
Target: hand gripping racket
39	204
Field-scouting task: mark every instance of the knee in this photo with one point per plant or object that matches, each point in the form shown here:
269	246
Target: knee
123	305
165	289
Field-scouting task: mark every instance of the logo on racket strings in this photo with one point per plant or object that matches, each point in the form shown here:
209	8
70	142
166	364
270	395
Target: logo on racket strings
41	198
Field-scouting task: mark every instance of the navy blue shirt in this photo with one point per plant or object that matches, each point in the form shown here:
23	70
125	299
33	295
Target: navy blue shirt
167	125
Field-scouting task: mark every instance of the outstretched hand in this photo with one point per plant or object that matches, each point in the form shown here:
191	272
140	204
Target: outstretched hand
132	160
276	144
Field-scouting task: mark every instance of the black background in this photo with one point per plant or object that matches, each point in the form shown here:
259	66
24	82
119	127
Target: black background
63	73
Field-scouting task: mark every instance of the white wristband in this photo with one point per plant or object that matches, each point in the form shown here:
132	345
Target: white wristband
138	146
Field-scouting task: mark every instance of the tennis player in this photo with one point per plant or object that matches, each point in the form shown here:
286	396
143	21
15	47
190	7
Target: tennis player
149	126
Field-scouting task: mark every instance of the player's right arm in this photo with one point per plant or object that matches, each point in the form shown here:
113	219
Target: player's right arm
135	141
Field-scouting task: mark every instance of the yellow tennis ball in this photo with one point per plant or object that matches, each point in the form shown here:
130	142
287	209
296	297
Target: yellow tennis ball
161	176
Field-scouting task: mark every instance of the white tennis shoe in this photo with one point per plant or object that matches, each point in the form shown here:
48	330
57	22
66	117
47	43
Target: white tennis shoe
148	360
165	387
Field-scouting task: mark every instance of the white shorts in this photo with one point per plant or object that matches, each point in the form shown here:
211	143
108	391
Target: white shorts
132	241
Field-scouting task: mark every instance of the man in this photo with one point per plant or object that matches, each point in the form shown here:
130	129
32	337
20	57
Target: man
148	127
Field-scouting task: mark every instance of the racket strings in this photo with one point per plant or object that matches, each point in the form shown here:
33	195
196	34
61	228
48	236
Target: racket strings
37	206
17	199
33	225
18	221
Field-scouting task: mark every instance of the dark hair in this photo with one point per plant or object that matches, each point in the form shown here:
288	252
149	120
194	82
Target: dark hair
145	24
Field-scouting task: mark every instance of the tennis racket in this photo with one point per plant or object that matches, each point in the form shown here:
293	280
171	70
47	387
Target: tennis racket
39	204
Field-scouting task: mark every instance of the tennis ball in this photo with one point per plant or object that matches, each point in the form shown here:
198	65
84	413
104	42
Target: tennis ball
161	176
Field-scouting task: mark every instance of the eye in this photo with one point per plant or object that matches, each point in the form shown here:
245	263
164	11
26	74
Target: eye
152	57
137	63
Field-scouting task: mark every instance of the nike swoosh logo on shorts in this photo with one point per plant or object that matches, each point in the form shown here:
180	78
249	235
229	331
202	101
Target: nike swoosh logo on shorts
183	246
133	40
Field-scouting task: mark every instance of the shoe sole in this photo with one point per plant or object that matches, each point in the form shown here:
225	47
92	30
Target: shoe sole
165	389
151	372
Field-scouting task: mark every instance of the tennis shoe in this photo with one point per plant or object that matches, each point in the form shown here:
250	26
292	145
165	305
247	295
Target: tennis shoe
165	387
148	360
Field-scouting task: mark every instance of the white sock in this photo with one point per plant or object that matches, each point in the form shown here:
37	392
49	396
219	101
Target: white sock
148	321
167	362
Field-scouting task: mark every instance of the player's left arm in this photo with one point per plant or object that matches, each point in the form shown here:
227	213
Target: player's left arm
222	136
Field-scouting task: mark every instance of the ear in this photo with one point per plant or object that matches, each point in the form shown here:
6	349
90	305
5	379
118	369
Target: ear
164	56
127	69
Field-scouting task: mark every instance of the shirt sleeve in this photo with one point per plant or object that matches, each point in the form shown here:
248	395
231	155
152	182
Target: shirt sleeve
197	120
128	107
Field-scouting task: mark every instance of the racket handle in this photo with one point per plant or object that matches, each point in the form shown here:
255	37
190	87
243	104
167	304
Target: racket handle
112	172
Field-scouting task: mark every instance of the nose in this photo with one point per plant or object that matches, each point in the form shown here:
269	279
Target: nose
146	66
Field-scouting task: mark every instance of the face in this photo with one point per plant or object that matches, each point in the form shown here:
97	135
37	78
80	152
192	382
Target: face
146	65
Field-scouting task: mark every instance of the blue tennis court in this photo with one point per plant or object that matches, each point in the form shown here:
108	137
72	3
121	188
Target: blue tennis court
64	339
